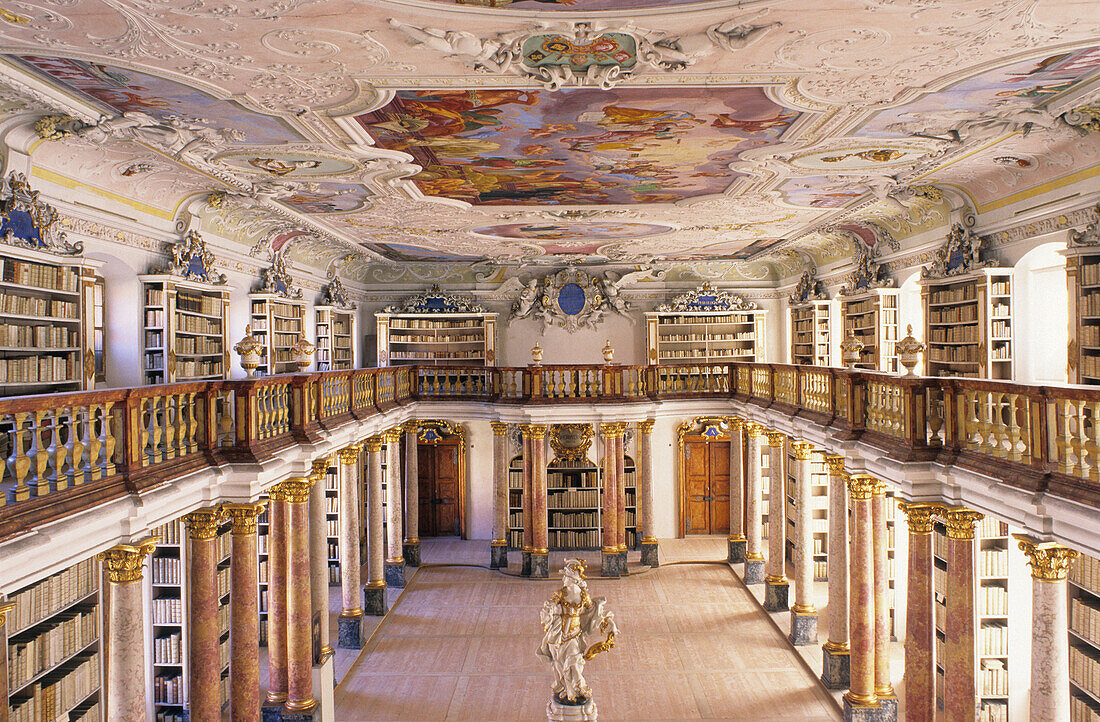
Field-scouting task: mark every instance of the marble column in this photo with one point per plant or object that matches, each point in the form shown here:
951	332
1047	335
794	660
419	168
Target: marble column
804	612
609	551
318	551
299	600
395	562
860	701
411	549
244	625
920	625
836	653
959	669
126	690
498	547
528	498
735	542
540	556
620	495
884	690
204	687
645	494
374	593
277	581
776	586
754	505
349	633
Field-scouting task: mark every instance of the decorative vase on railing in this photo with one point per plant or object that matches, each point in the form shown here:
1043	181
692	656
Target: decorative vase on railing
909	350
536	354
302	352
608	352
850	349
249	349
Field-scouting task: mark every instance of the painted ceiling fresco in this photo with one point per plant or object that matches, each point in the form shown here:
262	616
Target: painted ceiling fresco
578	146
577	6
572	231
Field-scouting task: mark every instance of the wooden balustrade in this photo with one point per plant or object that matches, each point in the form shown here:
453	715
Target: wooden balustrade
66	452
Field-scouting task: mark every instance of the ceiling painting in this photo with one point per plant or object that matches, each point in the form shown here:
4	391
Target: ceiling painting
578	146
575	6
572	231
277	164
402	253
327	198
818	192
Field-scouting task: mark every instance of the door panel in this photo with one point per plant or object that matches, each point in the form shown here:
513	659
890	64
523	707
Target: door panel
719	487
425	458
696	473
446	489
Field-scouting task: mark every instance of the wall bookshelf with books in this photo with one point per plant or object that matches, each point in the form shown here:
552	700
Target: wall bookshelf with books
1083	279
872	317
574	491
262	561
278	322
1084	639
630	489
167	604
969	324
337	331
810	334
515	503
705	336
819	503
55	665
183	330
332	525
459	339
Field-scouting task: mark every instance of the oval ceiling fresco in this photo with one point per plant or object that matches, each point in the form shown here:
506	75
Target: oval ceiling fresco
572	231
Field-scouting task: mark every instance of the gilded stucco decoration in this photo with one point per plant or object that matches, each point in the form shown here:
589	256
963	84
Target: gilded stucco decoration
960	254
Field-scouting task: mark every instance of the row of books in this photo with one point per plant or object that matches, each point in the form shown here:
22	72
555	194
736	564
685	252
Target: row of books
278	308
1001	329
285	340
208	305
992	601
54	696
168	689
855	308
202	344
821	570
223	581
1084	571
993	563
1089	336
334	574
703	354
1090	366
574	499
993	640
961	354
333	550
28	306
1000	310
51	278
444	338
724	318
1084	619
436	356
574	519
44	598
1082	711
954	334
399	323
955	294
1089	274
167	610
994	678
674	337
589	538
1084	671
190	368
993	711
39	370
1001	352
169	649
40	337
165	570
51	646
169	716
1000	288
959	314
515	520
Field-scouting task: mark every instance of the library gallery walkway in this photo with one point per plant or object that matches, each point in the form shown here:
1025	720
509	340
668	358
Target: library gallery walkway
693	644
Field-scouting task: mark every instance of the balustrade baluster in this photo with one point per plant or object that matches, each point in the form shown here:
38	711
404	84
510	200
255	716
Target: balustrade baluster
92	442
39	455
1090	443
19	463
74	445
55	452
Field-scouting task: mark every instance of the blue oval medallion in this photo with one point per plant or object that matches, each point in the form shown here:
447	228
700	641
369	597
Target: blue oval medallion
571	299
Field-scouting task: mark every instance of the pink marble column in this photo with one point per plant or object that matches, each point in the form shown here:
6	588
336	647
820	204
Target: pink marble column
126	691
244	630
1049	563
754	506
374	594
735	542
861	691
776	586
411	550
836	653
960	664
884	690
920	629
350	631
609	552
528	498
620	494
204	695
318	551
299	598
395	560
498	547
277	579
540	561
803	629
645	495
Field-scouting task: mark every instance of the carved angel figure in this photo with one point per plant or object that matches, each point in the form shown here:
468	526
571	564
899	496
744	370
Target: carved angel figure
567	618
486	54
677	53
524	305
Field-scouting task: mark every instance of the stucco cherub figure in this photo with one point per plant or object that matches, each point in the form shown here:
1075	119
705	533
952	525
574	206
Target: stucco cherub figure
567	619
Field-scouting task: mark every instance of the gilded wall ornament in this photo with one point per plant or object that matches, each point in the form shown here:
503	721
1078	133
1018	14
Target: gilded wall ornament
706	298
335	295
1049	561
436	300
960	254
27	221
1090	236
867	274
808	289
123	563
571	442
277	279
192	260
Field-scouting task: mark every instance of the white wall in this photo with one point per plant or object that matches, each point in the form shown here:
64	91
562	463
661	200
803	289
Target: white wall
1040	309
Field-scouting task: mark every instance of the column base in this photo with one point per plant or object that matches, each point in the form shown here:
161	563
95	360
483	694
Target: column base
889	708
874	712
498	556
836	668
622	564
349	634
735	549
754	571
650	554
803	628
776	595
374	601
411	552
271	712
313	715
395	574
609	564
525	564
540	565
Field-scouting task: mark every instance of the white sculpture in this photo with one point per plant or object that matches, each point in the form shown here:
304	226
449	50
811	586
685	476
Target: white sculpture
567	619
734	34
485	53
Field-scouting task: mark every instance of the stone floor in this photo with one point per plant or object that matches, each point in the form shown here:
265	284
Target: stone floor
459	644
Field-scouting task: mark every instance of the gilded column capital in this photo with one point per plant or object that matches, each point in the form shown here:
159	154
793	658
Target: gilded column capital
881	487
203	523
319	467
242	517
623	425
775	438
835	463
392	436
646	426
5	607
294	491
411	426
500	428
533	431
609	429
736	423
1049	561
803	450
373	444
350	454
123	562
960	522
861	486
754	430
920	515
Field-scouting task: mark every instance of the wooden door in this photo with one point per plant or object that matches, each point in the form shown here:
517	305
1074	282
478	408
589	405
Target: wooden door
438	481
719	487
706	493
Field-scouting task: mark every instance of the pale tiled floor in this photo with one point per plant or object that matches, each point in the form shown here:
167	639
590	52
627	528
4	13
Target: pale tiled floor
459	645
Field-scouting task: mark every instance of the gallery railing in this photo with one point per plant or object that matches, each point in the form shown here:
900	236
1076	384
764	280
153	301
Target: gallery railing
67	452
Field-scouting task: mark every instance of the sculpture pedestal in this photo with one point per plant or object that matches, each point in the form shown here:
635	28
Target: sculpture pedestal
581	712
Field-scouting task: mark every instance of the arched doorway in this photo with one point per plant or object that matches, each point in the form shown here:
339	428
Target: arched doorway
441	478
704	476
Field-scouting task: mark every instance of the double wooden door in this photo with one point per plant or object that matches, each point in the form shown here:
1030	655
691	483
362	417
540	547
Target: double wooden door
706	491
438	477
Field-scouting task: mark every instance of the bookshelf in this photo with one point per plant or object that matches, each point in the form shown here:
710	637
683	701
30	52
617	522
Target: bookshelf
872	317
277	322
336	334
574	490
630	489
969	324
332	524
55	667
436	329
183	330
261	559
224	543
1083	280
810	334
515	503
167	604
705	326
765	487
1084	639
819	503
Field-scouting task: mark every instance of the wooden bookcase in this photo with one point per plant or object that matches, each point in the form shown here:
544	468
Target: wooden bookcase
872	316
515	503
1083	279
630	487
765	486
705	336
332	524
55	665
969	324
810	334
1084	639
278	322
183	330
460	339
262	558
819	503
336	334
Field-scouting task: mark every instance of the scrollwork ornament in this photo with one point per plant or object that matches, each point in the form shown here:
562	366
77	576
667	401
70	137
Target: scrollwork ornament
959	522
29	222
277	279
123	563
706	298
436	300
243	517
202	524
192	260
920	515
960	254
861	487
867	274
835	463
336	295
1049	561
1090	236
